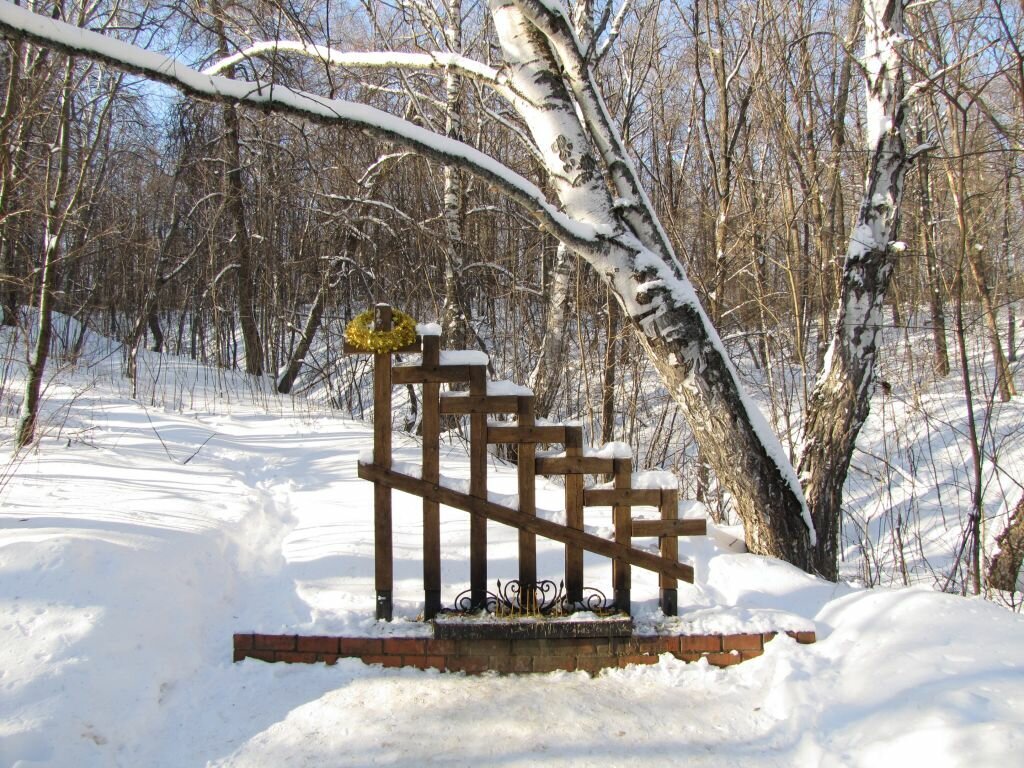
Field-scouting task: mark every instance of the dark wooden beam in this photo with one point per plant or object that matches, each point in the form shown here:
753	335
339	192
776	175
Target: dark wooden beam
468	404
442	374
478	489
526	434
410	349
621	517
574	465
669	528
574	518
516	519
625	497
383	553
431	469
669	546
527	496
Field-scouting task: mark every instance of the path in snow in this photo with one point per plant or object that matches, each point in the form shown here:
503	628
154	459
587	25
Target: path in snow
125	570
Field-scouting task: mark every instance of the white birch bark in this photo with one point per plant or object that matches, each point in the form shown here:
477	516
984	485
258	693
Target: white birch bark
455	318
839	403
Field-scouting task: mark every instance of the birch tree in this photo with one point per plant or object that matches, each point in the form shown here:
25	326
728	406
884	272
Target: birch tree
455	320
840	400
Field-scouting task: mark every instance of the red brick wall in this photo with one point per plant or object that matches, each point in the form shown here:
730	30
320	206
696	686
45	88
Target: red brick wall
506	656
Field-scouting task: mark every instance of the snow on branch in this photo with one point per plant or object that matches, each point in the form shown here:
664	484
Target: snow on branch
614	29
550	18
371	60
20	23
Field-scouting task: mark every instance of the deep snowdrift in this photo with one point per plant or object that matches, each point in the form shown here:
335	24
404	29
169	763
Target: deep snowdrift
140	536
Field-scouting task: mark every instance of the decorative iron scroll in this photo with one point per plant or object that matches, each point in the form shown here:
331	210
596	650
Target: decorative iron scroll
545	598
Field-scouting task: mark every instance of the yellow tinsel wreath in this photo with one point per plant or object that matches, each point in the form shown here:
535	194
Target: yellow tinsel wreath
359	332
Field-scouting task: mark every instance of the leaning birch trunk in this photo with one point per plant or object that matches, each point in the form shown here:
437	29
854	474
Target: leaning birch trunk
637	262
839	403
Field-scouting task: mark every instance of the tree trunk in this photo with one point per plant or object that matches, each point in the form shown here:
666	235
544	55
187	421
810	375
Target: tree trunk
1004	376
839	403
546	377
309	329
455	316
1004	568
234	193
935	304
40	352
836	206
608	382
1009	258
314	319
956	176
972	537
1011	334
53	232
147	315
153	322
729	120
11	121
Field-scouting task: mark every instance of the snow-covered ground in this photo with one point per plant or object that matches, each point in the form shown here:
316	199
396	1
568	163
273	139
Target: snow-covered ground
142	533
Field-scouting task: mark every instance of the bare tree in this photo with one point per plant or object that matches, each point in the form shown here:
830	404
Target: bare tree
78	135
234	196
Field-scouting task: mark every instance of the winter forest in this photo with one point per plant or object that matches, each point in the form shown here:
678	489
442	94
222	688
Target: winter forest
651	211
774	249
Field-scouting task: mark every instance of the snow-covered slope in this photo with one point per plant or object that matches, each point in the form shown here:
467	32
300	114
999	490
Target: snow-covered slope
141	534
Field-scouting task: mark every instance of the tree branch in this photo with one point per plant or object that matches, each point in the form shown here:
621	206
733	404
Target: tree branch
19	23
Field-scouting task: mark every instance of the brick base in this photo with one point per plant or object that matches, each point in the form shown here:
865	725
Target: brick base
507	656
